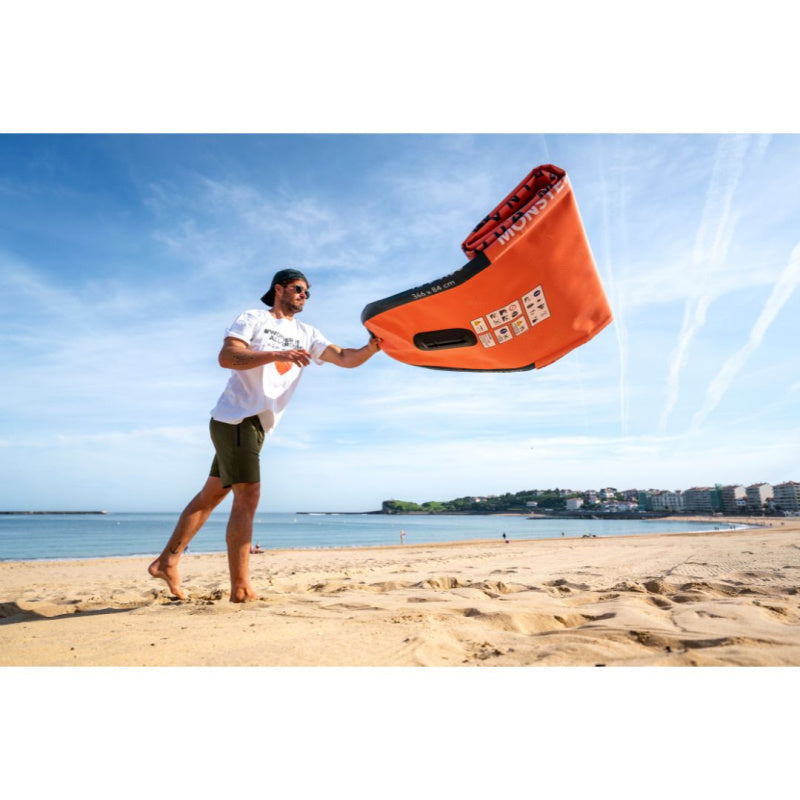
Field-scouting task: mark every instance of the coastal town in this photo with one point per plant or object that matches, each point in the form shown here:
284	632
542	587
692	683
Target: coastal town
758	498
781	499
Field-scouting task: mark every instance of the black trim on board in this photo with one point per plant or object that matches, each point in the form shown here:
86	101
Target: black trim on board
469	270
467	369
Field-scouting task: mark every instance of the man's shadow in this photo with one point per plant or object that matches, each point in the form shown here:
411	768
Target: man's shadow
10	613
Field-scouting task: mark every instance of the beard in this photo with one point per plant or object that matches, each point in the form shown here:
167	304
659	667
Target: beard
291	305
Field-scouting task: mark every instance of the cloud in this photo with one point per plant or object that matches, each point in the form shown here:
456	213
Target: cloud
388	399
411	470
712	241
722	381
89	357
673	281
22	286
167	435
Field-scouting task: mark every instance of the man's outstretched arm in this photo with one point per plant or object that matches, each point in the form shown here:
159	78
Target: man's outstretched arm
350	357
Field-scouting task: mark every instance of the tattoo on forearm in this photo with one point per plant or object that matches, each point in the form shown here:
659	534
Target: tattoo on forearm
239	357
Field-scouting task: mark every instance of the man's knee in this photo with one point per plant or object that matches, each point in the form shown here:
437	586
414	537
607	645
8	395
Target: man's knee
246	495
213	493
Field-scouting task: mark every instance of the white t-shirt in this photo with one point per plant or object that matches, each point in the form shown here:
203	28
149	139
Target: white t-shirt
266	390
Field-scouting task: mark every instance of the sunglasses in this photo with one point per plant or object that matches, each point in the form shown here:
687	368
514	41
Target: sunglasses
299	289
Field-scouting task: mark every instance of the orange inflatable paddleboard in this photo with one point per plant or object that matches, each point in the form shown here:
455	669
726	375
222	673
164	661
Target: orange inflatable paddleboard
529	294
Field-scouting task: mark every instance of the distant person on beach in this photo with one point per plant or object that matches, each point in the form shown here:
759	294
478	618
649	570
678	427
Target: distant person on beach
256	549
266	349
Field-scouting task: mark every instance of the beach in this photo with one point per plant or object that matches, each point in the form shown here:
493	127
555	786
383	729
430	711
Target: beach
721	598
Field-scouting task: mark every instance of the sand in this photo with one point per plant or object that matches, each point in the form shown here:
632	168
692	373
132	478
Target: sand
713	599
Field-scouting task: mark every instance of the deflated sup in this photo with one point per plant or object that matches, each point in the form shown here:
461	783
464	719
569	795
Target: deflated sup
529	294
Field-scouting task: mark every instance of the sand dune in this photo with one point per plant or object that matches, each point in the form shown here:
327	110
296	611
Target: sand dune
720	598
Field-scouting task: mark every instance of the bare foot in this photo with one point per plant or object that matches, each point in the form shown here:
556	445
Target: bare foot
168	573
243	594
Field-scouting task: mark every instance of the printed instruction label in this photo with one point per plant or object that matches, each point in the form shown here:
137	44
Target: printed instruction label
503	334
536	305
505	314
479	325
519	326
510	321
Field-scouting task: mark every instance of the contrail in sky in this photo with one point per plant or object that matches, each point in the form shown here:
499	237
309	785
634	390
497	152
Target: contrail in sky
617	214
781	292
711	247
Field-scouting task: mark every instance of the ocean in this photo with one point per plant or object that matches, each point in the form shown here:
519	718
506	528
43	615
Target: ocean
56	536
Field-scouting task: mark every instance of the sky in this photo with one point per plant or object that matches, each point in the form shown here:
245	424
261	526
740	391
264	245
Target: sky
123	258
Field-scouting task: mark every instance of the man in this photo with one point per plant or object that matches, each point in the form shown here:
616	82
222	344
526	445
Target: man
267	351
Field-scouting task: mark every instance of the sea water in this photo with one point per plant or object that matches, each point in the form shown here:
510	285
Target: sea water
56	536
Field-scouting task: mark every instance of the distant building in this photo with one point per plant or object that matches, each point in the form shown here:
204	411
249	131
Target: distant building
666	501
757	496
734	499
787	496
701	500
574	503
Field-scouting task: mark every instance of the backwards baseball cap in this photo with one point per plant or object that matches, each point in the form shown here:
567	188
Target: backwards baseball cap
282	277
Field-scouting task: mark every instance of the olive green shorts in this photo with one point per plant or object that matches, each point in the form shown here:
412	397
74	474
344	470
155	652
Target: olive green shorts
238	448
